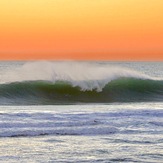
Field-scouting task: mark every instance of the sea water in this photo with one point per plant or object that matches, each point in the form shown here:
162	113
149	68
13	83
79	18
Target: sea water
55	112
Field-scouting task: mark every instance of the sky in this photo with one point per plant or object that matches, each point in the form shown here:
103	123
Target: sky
81	29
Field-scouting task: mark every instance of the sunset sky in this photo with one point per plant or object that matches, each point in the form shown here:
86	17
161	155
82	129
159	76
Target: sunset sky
81	29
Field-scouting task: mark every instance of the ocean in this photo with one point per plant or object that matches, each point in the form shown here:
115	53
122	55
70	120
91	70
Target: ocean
74	111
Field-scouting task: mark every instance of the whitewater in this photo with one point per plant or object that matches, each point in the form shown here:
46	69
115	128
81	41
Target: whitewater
69	111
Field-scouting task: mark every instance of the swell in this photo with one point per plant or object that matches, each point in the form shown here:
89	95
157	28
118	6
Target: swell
62	92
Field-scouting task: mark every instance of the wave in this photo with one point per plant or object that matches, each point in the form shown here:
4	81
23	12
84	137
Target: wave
79	120
49	83
46	93
63	131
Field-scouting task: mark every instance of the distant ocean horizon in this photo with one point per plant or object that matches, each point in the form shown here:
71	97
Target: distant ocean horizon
81	111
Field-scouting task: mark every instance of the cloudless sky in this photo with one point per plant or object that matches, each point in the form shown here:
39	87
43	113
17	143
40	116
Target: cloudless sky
81	29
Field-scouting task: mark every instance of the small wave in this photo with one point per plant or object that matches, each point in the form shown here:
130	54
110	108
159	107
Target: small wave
25	123
64	131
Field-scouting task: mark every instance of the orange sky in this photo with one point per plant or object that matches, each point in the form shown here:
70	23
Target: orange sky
81	29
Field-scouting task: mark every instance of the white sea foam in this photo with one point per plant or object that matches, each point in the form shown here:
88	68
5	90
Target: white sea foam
86	75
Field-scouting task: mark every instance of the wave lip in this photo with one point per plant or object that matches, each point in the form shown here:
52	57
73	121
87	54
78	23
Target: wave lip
87	76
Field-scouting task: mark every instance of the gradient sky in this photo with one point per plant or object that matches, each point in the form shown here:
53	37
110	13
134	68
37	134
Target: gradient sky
81	29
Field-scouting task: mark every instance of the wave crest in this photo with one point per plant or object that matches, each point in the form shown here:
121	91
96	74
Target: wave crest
86	75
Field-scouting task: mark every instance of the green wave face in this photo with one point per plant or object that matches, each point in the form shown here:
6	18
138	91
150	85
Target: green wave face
47	93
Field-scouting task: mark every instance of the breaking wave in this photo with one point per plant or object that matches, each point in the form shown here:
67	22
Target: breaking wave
76	82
